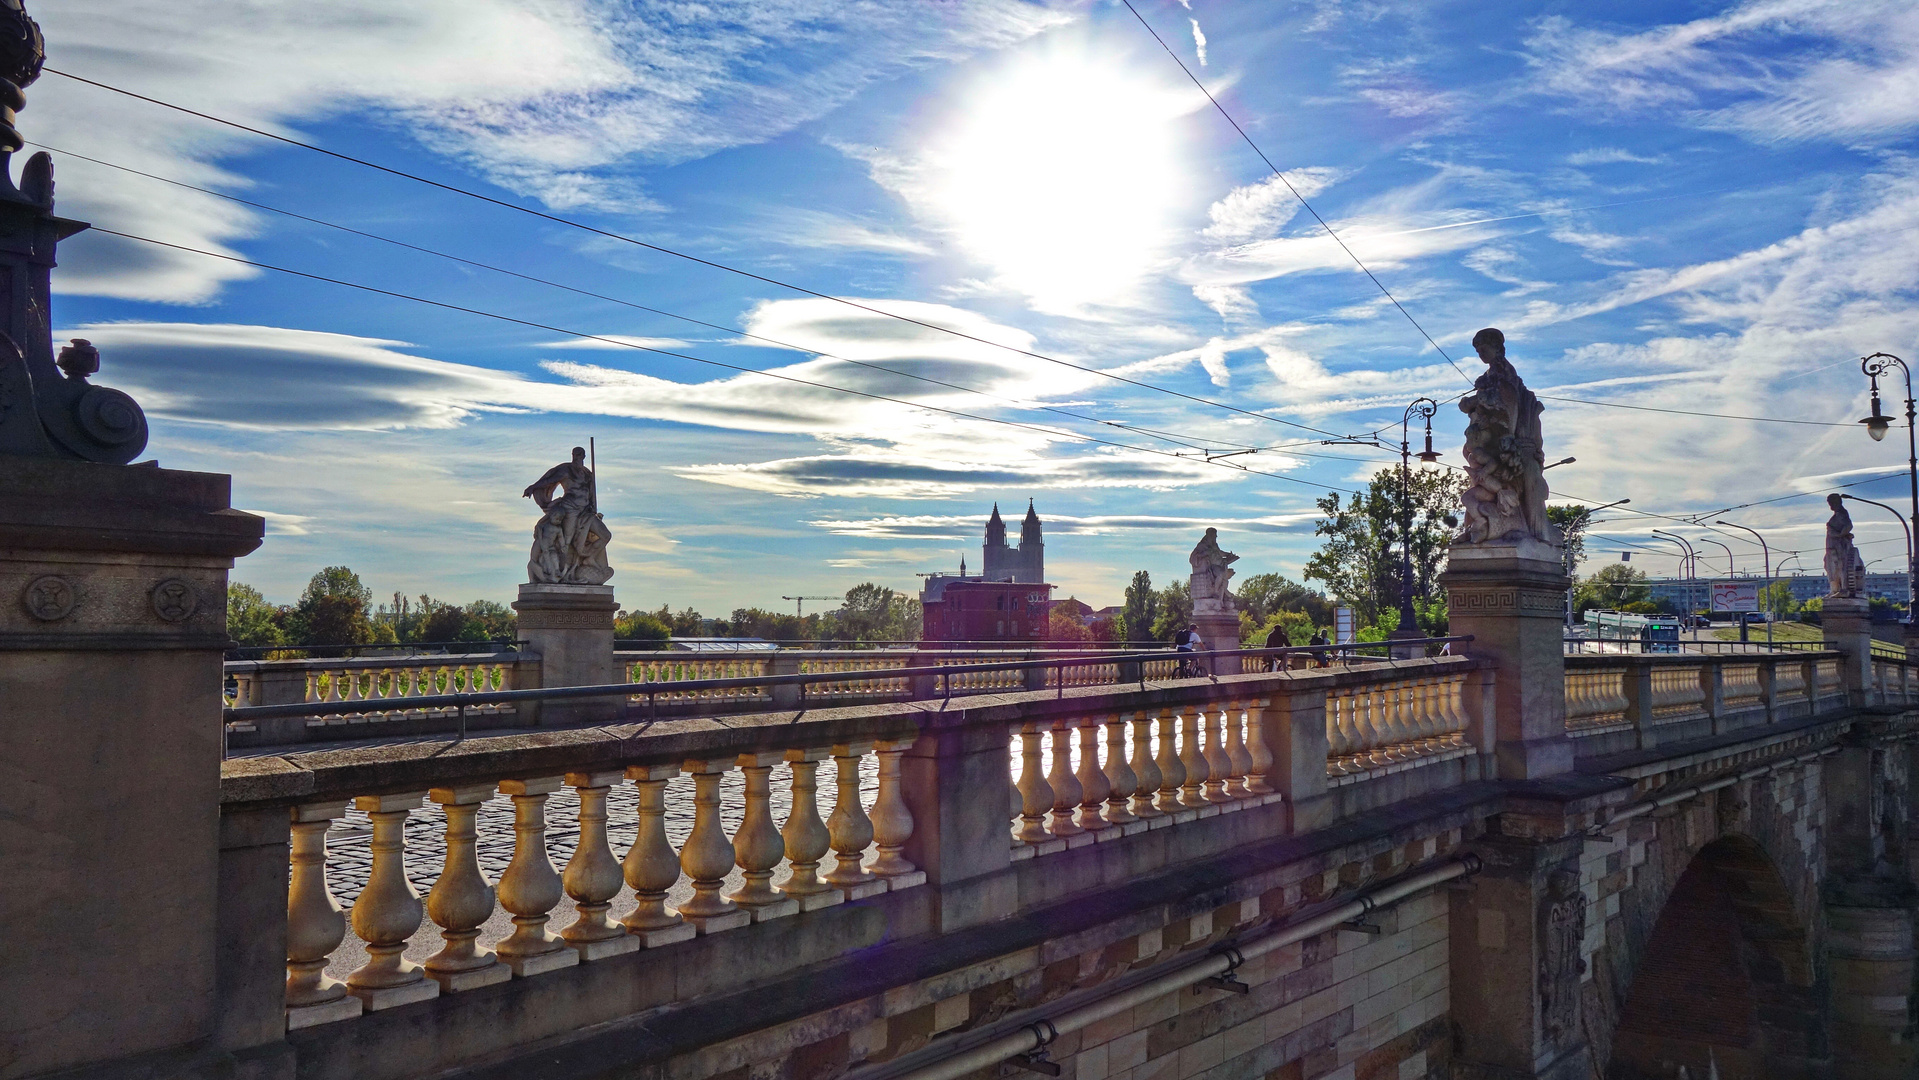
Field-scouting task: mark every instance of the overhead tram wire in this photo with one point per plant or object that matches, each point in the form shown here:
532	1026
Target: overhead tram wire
636	242
1691	412
734	331
1289	187
445	306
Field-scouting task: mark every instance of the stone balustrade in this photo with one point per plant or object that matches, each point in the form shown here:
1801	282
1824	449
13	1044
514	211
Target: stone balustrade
714	882
372	690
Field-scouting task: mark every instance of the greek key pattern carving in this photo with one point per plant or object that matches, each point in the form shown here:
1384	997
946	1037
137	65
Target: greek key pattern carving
566	620
1505	601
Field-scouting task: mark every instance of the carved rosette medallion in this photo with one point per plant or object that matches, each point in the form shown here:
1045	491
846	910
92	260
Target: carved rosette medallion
175	600
50	598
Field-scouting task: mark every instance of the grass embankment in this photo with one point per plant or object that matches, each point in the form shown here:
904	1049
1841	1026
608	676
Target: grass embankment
1798	631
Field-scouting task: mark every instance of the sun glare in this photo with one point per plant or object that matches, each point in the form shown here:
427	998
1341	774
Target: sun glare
1063	175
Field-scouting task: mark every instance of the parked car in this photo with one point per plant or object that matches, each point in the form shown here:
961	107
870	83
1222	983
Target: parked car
1755	616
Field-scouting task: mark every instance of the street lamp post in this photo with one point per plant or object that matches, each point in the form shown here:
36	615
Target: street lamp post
1688	563
1428	459
1729	568
1766	552
1876	426
1909	559
1566	550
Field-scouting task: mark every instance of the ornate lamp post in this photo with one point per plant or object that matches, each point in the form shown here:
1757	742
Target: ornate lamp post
1428	460
1876	426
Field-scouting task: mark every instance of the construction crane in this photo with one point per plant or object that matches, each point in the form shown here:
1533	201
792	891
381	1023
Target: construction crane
799	603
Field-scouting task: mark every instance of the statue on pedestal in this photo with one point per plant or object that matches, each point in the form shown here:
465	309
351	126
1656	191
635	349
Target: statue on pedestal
1505	496
1845	570
1212	569
569	543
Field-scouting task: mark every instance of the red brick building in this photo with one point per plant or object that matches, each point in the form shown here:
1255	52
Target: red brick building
968	609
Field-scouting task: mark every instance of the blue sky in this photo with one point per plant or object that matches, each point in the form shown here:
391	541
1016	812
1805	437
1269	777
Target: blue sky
1698	206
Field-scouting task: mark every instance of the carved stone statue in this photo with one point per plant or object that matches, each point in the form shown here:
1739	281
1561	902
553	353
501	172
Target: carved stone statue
1845	570
1212	569
569	543
1505	496
1563	932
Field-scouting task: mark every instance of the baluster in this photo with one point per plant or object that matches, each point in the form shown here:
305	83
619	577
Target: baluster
757	846
892	821
1066	789
1192	759
707	856
1237	756
1410	718
531	888
1016	802
461	901
1121	781
851	830
807	840
1094	787
1461	713
1373	730
1390	722
1172	773
1258	783
1219	767
1036	796
388	911
650	866
1144	768
592	876
315	925
1434	726
1339	737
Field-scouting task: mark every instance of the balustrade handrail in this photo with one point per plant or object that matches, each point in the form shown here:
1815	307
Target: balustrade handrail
494	644
1606	659
349	663
943	672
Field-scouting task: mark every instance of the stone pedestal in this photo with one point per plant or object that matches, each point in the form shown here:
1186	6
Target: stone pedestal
1510	596
571	627
113	586
1847	625
1220	629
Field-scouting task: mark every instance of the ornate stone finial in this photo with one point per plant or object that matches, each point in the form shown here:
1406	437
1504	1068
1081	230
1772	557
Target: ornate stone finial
79	359
1845	569
22	54
1505	495
569	542
1212	569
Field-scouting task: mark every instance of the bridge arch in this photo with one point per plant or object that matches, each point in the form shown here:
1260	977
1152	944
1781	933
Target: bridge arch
1728	977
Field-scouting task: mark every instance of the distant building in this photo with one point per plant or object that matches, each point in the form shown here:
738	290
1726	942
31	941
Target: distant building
1075	607
1008	600
1694	594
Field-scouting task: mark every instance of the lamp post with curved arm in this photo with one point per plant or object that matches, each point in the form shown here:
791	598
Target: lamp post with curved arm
1428	459
1767	553
1908	529
1709	540
1877	424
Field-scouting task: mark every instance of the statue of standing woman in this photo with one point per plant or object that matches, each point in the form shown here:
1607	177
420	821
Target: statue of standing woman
1845	570
1505	496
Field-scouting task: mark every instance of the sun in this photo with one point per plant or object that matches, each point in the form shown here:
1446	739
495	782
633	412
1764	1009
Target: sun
1064	174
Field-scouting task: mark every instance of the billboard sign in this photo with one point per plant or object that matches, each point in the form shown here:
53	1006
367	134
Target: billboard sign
1735	595
1343	627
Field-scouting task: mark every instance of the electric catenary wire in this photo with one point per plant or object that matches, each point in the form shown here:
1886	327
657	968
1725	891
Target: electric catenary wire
623	238
734	331
1289	187
443	305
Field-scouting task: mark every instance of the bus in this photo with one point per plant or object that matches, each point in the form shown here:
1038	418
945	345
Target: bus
1652	633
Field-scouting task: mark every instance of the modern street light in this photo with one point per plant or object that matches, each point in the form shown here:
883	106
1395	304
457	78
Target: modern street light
1566	550
1909	559
1729	568
1556	464
1876	426
1767	553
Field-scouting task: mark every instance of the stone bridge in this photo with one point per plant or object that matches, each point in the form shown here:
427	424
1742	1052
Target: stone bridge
1507	863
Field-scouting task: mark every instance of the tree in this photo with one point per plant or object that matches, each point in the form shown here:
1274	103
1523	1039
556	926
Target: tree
1572	522
1263	595
333	610
866	613
250	619
641	627
1613	587
1360	558
1063	625
1777	599
1141	610
1175	611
